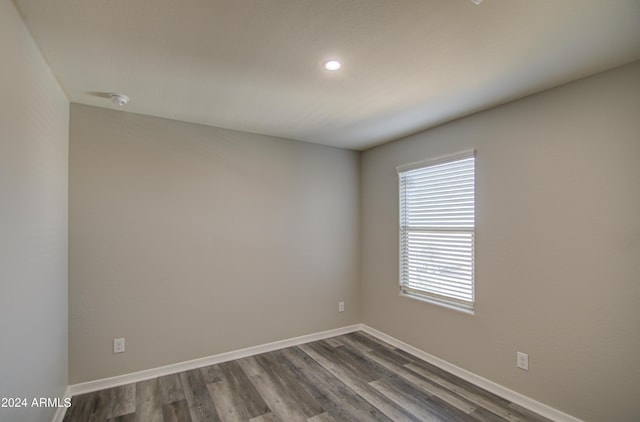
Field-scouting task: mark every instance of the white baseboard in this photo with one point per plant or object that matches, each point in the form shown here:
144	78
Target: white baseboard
101	384
517	398
59	415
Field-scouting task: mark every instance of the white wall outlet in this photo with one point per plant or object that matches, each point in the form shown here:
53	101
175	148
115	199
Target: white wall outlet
340	306
522	361
118	345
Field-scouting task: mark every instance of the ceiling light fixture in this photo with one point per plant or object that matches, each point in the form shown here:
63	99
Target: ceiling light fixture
332	65
119	99
477	1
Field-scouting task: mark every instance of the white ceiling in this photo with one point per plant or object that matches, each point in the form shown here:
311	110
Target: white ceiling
256	65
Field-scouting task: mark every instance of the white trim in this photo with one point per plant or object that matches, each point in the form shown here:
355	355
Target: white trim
60	411
101	384
514	397
443	303
469	153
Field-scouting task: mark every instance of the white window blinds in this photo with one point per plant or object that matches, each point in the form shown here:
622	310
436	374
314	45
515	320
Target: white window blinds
437	224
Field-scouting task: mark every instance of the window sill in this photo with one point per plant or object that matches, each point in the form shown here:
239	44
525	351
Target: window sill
433	301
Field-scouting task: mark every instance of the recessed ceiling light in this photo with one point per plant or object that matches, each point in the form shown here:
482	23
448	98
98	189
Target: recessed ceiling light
119	99
332	65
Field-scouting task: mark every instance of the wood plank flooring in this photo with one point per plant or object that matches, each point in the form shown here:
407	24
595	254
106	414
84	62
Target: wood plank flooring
354	377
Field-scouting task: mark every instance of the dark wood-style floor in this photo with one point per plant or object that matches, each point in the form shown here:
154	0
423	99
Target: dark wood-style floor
354	377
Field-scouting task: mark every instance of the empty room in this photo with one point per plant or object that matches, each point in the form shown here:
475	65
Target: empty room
320	210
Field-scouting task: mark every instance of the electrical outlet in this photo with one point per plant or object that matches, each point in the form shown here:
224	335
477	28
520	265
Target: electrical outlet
118	345
340	306
522	361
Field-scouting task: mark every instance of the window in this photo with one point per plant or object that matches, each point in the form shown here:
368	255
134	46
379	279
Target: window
437	225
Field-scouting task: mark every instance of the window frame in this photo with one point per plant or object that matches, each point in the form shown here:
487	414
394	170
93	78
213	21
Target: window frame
425	295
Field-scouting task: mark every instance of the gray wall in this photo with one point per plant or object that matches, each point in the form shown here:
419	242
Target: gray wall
190	240
34	121
557	251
